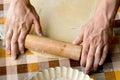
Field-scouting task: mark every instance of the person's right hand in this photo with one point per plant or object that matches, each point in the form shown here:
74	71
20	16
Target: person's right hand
21	16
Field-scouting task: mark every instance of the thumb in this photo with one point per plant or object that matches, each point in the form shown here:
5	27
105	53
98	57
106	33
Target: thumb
79	39
38	28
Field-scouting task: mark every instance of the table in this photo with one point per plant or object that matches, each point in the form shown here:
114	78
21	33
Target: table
28	64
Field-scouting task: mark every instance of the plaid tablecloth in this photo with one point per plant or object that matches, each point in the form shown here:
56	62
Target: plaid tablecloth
28	63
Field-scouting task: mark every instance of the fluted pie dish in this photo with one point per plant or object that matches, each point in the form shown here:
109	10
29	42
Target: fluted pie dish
60	73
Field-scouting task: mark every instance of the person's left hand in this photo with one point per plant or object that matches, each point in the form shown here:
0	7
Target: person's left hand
96	36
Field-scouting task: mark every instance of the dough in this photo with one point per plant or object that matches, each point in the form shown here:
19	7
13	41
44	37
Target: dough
63	19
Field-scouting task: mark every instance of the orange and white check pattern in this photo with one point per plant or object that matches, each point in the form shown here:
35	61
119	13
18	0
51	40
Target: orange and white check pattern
28	63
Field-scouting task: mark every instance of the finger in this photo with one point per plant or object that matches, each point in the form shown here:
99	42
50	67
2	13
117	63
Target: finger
84	54
4	39
5	30
97	57
38	29
14	44
6	26
79	38
90	58
4	42
21	41
104	55
8	37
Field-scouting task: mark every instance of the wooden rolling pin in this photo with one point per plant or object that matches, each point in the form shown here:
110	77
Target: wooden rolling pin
43	44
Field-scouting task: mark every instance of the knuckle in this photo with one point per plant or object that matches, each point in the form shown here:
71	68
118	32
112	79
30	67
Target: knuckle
84	52
8	37
25	29
7	48
21	46
86	49
94	42
14	49
21	40
105	52
97	55
14	42
90	56
21	43
103	57
96	62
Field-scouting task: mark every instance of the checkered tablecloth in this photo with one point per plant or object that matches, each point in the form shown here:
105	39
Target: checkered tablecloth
27	64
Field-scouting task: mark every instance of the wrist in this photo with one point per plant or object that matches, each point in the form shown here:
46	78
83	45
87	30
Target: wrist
103	20
106	10
26	2
108	7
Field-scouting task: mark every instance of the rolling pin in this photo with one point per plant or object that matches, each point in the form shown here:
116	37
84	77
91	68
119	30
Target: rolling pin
44	44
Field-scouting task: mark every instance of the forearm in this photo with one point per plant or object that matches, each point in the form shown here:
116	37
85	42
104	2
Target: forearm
107	9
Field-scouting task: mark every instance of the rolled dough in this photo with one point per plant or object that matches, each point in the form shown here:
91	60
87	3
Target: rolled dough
63	19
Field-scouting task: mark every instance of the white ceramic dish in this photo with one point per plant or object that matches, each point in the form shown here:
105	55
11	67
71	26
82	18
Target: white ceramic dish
60	73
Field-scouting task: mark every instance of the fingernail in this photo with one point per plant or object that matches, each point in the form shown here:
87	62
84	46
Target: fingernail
76	40
40	34
95	69
8	51
73	42
13	57
87	72
22	52
100	63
